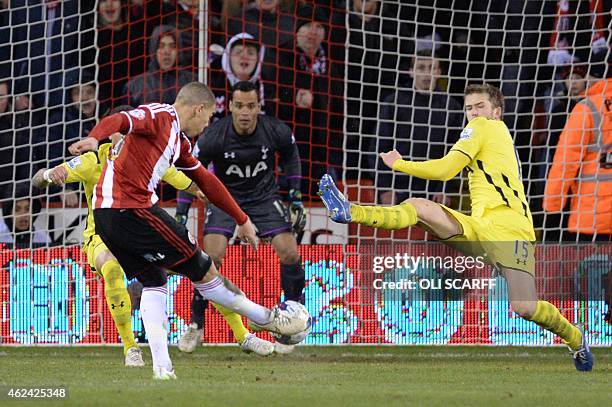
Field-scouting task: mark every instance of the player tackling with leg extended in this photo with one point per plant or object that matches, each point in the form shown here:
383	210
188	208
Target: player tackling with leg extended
143	237
86	169
243	148
500	223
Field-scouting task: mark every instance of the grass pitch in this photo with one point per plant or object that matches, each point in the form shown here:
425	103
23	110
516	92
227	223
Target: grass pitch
315	376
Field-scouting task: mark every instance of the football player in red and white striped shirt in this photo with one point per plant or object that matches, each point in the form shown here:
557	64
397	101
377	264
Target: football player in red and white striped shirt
144	238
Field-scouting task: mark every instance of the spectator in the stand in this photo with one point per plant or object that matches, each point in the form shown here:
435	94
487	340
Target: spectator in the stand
419	122
164	77
46	38
582	167
113	56
310	99
68	126
17	226
365	60
20	125
242	60
6	139
266	20
186	18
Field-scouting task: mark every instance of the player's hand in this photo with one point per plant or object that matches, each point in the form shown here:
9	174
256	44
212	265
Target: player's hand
83	146
390	157
70	198
58	175
246	233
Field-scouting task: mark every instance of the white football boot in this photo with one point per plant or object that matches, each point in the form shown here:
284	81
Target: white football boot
161	373
191	339
133	358
281	323
253	344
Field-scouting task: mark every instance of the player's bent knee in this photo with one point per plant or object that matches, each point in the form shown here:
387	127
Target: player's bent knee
154	277
288	256
524	309
426	210
196	267
102	258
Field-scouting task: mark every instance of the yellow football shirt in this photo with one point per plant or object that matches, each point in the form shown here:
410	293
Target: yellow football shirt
87	168
494	172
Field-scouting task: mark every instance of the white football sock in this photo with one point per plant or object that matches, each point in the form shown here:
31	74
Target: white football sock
155	319
218	293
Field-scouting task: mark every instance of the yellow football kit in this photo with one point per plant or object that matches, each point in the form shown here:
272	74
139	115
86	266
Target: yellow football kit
500	225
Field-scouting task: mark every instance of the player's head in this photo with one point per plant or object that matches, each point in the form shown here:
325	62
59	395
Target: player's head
244	56
425	70
483	101
195	105
245	106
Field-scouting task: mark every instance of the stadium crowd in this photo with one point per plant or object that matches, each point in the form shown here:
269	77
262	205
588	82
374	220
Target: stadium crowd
395	71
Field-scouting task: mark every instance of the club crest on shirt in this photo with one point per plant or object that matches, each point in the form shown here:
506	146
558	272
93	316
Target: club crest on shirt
75	162
138	114
466	133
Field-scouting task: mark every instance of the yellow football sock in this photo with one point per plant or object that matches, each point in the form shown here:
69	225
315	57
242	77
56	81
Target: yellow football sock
234	321
118	301
551	319
385	217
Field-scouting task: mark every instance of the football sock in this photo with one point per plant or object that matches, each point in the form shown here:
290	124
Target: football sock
550	318
385	217
292	281
118	301
216	291
155	319
198	307
234	321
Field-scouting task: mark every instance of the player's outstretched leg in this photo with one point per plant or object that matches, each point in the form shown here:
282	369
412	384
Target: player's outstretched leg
383	217
218	289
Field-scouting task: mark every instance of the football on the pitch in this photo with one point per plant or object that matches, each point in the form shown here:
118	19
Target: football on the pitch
295	310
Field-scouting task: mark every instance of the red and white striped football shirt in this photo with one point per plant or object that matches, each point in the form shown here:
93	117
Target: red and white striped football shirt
155	143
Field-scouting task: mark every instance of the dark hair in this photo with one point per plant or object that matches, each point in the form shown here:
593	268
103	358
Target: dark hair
245	86
495	95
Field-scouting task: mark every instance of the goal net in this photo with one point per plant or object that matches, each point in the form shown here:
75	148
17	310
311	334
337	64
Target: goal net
352	79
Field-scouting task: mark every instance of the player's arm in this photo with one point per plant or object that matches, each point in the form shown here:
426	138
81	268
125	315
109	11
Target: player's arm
470	143
182	182
289	157
68	172
442	169
138	121
567	159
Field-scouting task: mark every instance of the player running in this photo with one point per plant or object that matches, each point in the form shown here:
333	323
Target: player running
143	237
243	149
500	224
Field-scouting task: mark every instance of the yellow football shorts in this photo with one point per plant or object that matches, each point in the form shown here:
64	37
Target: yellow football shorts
505	237
92	249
